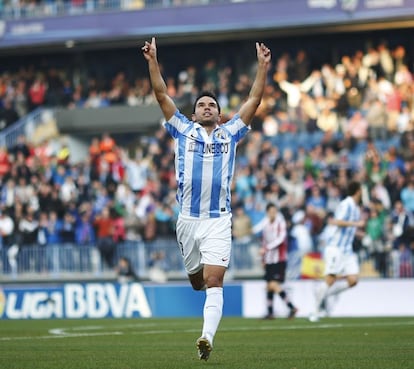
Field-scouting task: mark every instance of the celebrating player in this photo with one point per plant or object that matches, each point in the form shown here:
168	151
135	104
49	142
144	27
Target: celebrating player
204	163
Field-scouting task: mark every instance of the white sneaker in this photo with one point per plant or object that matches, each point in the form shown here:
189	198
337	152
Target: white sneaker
204	348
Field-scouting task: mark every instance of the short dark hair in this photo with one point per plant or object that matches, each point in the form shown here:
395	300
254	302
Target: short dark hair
270	205
208	94
353	188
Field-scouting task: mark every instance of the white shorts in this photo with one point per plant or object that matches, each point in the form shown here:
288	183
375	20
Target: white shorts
337	263
204	241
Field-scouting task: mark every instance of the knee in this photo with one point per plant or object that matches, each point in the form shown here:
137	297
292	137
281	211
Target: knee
352	282
214	281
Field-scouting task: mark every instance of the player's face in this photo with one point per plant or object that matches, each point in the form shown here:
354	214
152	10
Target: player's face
206	112
271	213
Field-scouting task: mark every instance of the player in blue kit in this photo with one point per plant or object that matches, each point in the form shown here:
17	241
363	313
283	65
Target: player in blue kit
205	153
340	259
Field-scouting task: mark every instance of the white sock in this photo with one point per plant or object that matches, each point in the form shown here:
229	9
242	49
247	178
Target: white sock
338	287
213	309
320	296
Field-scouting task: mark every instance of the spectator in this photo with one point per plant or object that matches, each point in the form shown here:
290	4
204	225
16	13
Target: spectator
84	239
136	170
28	227
21	98
54	93
37	92
53	233
358	126
6	238
317	201
242	232
375	241
327	120
293	187
67	232
407	195
68	191
21	147
5	164
377	117
104	225
294	91
125	271
8	114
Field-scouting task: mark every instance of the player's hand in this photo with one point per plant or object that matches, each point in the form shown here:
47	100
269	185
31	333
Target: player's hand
361	224
264	54
150	49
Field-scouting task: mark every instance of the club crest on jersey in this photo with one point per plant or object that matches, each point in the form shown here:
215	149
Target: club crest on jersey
220	134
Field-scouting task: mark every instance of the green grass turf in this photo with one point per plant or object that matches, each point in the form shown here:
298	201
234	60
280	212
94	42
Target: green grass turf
357	343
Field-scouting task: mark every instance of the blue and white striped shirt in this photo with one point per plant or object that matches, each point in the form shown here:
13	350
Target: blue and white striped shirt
204	164
343	237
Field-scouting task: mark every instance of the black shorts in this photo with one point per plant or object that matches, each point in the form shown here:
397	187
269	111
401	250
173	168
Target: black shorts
275	272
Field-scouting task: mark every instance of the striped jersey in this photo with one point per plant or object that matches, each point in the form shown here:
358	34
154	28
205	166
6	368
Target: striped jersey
343	237
274	239
204	164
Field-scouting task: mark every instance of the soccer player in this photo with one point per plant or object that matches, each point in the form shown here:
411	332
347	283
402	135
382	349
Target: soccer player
341	263
204	163
274	254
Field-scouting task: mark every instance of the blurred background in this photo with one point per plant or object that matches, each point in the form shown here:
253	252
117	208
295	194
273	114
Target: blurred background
87	186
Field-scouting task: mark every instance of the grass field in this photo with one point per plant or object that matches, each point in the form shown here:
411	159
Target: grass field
334	343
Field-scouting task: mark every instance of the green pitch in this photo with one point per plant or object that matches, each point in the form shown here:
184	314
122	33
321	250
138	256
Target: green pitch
365	343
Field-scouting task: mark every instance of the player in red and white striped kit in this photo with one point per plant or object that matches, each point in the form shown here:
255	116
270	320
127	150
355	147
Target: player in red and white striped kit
274	254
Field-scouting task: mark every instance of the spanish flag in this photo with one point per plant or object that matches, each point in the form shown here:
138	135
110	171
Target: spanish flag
312	266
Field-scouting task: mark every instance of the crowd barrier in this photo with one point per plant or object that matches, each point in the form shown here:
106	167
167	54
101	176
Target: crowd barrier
70	261
160	260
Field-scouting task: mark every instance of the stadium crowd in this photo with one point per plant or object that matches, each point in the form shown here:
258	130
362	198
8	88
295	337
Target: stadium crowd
315	130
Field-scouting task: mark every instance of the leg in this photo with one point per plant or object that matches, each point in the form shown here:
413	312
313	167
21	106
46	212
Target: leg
275	275
350	272
277	288
270	291
352	280
329	281
213	276
206	250
197	280
321	295
213	306
207	277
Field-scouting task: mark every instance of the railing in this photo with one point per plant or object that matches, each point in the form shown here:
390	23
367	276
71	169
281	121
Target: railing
70	261
157	260
28	127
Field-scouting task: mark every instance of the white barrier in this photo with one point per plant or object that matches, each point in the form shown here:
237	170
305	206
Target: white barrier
371	297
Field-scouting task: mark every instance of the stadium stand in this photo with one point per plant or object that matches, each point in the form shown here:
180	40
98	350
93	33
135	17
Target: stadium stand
323	139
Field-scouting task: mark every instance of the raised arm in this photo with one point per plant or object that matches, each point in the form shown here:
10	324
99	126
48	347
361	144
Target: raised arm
167	105
248	109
